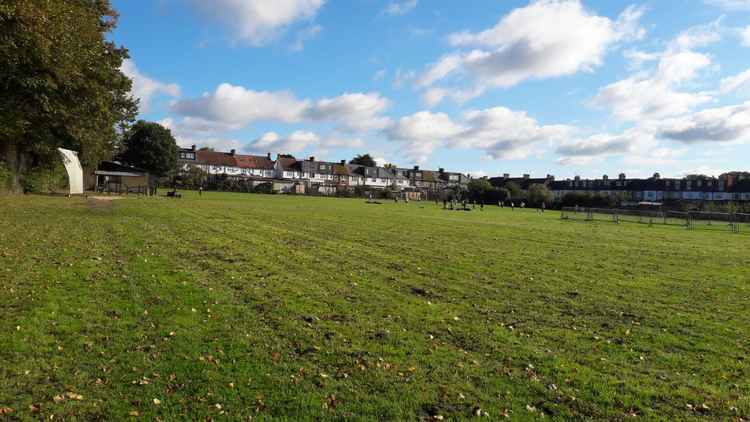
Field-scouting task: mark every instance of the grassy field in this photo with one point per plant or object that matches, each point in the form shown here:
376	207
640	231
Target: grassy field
233	306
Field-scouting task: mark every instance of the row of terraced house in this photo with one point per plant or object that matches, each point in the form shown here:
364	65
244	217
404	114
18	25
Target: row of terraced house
727	187
287	174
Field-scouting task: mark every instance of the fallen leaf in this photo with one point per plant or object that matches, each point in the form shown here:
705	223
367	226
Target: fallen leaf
134	413
74	396
157	402
5	410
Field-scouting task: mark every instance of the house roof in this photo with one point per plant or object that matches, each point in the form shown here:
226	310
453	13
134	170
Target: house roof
429	176
288	163
215	158
118	167
340	170
254	162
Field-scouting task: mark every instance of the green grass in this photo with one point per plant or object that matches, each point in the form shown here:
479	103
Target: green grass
232	306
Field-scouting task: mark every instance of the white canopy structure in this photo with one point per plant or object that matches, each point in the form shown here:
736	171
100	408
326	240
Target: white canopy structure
74	169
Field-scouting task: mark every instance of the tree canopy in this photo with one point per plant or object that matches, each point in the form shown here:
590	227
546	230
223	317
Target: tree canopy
363	160
60	81
539	194
150	146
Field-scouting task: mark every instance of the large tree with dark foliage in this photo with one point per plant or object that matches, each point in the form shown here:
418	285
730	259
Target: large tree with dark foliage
60	83
150	146
363	160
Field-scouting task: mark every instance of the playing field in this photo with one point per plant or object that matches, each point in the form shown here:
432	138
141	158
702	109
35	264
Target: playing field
233	306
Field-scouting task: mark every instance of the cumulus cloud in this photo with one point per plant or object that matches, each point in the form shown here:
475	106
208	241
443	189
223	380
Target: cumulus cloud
235	107
724	124
658	93
500	132
259	22
145	88
295	142
582	151
355	111
400	7
423	132
299	141
547	38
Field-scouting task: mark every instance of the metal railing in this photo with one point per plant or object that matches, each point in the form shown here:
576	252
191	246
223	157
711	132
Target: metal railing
689	219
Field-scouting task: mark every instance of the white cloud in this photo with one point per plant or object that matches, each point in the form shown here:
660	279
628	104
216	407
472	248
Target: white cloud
505	133
734	83
724	124
660	92
238	106
234	107
698	36
583	151
500	132
439	70
547	38
745	34
145	88
259	22
355	111
434	96
296	142
299	141
423	132
305	35
732	5
400	7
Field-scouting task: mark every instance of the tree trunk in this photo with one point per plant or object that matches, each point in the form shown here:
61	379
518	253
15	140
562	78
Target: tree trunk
16	161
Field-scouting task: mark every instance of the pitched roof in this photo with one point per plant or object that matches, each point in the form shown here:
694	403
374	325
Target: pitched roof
340	170
288	163
429	176
254	162
215	158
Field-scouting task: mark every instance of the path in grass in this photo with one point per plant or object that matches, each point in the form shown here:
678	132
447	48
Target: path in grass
267	306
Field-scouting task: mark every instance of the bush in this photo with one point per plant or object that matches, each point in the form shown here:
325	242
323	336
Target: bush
264	188
45	179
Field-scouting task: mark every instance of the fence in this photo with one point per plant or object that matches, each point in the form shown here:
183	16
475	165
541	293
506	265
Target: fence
691	220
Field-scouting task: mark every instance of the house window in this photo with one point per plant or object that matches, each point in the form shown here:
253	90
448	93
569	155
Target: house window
322	167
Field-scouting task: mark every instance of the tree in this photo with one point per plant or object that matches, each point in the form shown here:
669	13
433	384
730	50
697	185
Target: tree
150	146
539	194
480	189
60	83
514	189
363	160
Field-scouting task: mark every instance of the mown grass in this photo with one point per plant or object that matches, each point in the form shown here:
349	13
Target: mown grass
233	306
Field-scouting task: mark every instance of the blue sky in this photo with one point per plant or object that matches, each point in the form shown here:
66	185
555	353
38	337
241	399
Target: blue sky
565	87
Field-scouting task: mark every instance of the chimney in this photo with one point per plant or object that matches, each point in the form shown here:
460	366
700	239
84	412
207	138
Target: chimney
312	158
441	170
343	162
657	176
232	152
192	147
605	178
268	155
506	176
416	168
622	176
550	177
577	178
526	176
